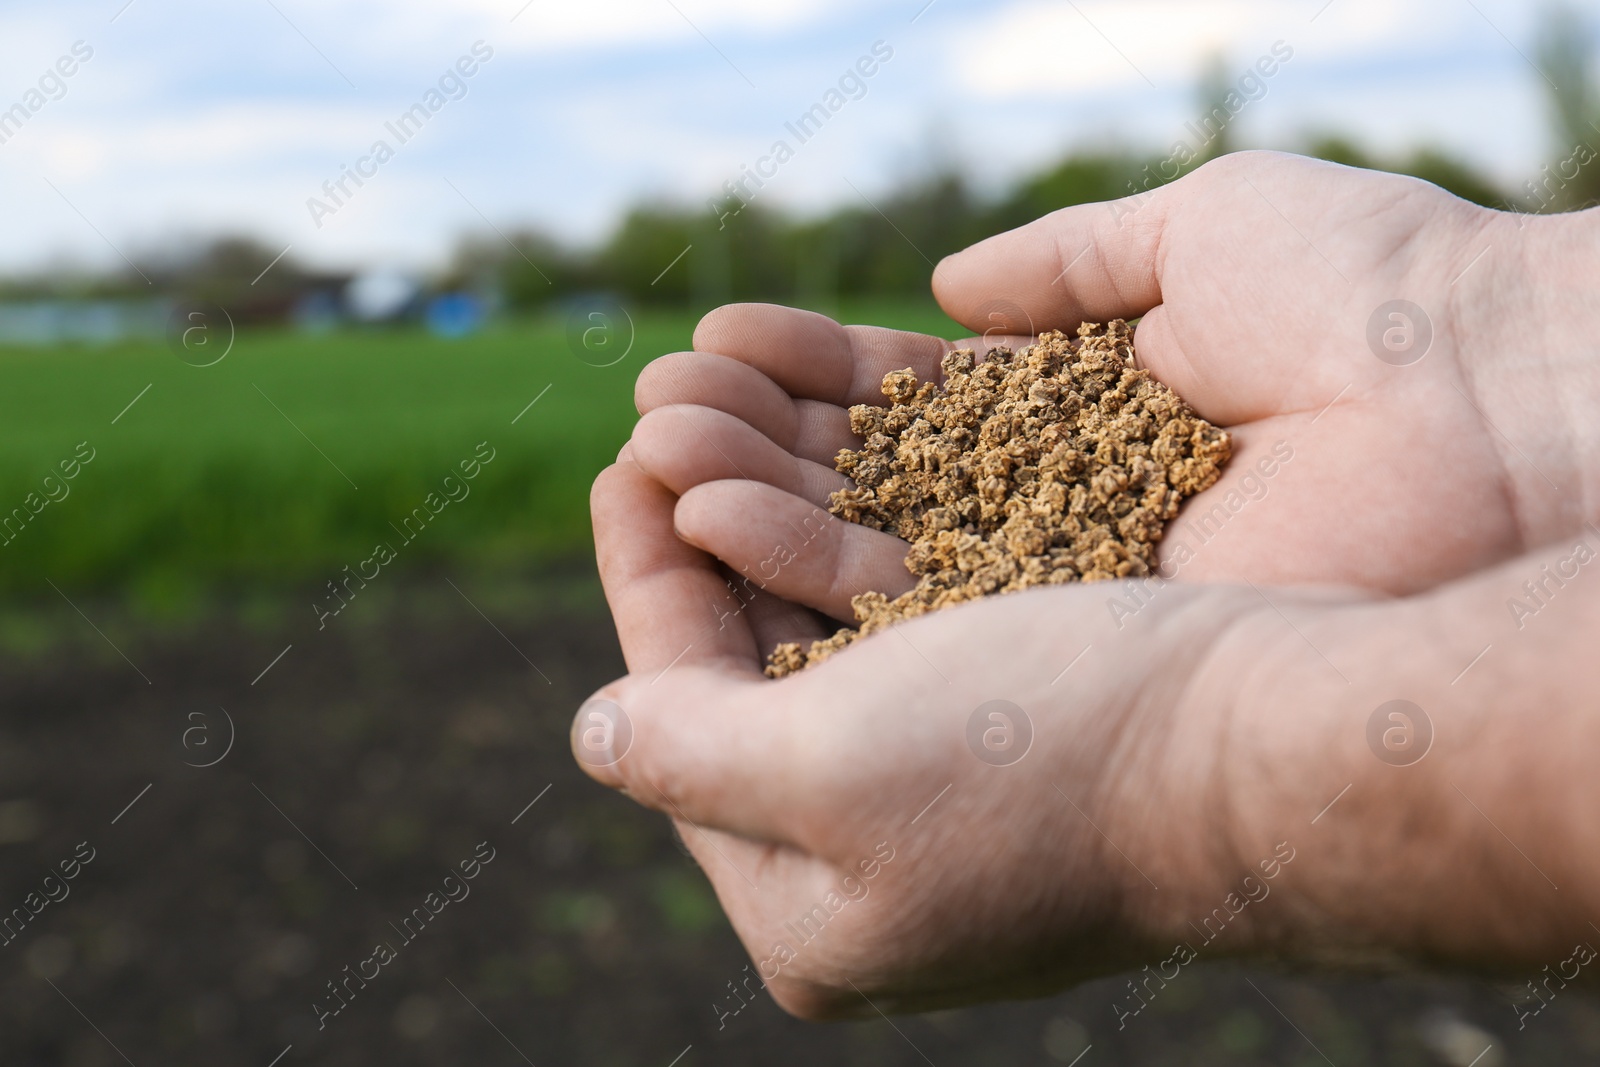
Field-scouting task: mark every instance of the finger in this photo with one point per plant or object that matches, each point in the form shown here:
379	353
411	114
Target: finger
774	620
702	744
737	388
694	757
1091	262
684	446
995	338
812	356
810	429
792	548
669	601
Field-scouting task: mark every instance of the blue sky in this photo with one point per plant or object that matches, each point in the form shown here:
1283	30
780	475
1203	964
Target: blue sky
194	117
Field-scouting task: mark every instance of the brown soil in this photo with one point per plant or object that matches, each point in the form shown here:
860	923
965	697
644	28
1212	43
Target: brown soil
1062	462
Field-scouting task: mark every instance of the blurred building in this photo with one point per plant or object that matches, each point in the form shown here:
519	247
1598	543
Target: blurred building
45	322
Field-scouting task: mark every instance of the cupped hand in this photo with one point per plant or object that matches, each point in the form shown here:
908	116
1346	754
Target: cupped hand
881	835
864	823
1383	446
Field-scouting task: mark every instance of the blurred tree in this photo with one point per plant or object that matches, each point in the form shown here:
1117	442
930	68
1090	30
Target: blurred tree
1077	179
1216	86
1453	175
677	255
529	267
1434	165
650	237
819	247
892	243
763	250
1565	57
1336	148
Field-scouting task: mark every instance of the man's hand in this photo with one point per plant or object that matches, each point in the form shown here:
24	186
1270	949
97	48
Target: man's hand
869	833
1203	782
1258	278
864	823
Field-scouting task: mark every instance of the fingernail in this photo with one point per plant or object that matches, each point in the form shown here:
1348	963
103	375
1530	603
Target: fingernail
601	734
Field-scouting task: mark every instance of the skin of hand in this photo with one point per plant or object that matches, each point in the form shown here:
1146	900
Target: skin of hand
1260	278
1200	783
1175	753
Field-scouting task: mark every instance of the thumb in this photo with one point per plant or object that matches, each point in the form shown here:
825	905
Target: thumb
704	744
1091	262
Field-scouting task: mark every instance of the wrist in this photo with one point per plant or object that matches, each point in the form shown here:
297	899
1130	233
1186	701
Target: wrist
1219	854
1440	831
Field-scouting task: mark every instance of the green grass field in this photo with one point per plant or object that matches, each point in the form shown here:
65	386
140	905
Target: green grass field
205	484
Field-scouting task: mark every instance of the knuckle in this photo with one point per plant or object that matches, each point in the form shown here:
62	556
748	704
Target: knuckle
648	388
607	482
651	428
708	334
665	380
672	431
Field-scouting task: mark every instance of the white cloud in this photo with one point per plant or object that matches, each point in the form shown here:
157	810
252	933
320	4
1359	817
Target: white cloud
1101	46
604	23
1096	45
418	26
